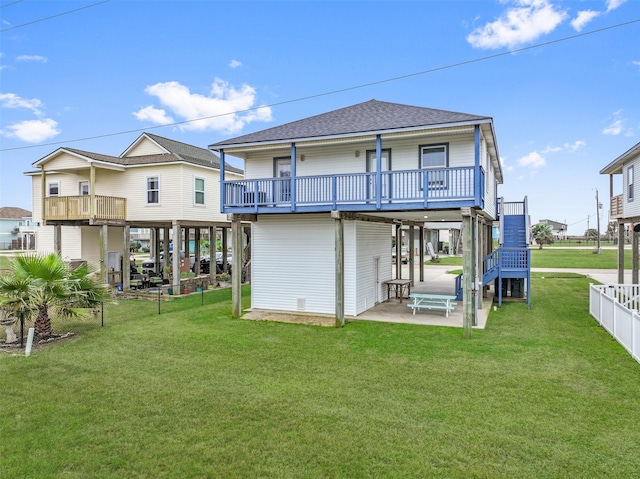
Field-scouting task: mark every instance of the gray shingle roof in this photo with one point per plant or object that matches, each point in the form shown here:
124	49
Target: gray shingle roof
177	152
370	116
13	213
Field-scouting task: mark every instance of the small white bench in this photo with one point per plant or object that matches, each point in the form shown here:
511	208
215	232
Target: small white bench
432	301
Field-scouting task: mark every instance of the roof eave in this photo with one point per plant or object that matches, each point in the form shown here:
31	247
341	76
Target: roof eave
615	167
222	146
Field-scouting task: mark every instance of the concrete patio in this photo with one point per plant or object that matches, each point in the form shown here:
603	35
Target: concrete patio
436	281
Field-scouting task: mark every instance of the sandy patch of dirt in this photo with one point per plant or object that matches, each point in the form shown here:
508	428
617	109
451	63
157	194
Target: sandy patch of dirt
281	317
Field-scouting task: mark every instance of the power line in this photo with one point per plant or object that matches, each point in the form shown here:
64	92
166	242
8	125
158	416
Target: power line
9	4
52	16
333	92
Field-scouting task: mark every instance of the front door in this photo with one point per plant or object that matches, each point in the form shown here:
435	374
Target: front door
371	168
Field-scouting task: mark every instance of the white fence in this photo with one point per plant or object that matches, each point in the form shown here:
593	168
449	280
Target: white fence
615	307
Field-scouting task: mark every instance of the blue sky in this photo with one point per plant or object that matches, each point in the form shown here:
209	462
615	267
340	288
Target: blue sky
562	110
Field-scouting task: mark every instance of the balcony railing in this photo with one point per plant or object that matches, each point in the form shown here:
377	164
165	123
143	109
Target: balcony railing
417	189
79	208
616	207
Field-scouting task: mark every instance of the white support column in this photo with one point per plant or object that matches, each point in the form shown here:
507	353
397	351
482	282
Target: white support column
104	229
411	255
175	262
126	253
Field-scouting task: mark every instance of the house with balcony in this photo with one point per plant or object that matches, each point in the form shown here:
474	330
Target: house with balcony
625	206
87	203
325	193
17	231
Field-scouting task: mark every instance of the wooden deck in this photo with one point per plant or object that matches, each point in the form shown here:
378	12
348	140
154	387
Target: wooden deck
75	208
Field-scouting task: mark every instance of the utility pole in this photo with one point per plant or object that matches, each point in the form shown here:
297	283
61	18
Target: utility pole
598	206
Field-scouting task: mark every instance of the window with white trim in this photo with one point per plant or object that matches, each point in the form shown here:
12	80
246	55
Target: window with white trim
198	191
83	188
630	183
153	190
434	157
54	189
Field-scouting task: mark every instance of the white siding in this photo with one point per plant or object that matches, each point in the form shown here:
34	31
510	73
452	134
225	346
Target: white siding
66	161
341	158
293	259
293	262
631	209
70	241
146	147
373	243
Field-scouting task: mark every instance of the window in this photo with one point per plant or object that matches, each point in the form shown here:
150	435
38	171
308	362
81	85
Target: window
84	188
198	191
435	157
630	183
153	190
54	189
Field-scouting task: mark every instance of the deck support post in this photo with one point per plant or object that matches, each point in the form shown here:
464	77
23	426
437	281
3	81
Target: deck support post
196	265
480	247
421	239
411	256
103	253
165	249
468	266
398	251
621	227
236	274
225	248
212	254
126	254
339	271
634	257
57	239
175	261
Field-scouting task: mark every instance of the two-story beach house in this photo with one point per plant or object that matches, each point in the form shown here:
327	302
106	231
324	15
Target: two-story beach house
625	207
86	203
324	194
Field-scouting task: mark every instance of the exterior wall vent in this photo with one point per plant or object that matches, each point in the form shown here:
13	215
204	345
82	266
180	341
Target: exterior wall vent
301	304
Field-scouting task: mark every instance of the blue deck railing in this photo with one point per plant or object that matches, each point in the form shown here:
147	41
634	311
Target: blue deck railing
407	188
508	262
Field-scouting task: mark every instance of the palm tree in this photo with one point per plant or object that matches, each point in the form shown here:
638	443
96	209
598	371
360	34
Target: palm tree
542	233
43	284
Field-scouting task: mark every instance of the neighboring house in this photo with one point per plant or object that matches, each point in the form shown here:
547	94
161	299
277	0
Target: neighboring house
625	207
325	192
87	203
17	230
559	230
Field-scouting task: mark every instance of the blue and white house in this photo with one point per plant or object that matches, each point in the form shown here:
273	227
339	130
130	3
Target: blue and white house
324	193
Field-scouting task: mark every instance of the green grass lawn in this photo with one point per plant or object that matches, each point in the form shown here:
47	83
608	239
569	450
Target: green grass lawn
562	258
540	393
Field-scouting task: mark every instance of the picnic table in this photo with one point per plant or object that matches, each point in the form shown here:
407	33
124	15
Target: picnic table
399	286
432	301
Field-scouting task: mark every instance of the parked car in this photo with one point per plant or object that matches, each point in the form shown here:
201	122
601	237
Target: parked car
149	265
404	255
219	257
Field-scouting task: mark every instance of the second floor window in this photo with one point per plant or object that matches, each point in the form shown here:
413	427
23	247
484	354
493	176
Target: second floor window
153	190
198	191
54	189
433	156
84	188
630	183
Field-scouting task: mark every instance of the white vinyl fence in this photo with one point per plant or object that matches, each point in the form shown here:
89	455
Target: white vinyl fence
616	307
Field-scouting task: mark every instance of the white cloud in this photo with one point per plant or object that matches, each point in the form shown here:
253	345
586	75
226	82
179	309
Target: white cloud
223	109
636	63
523	23
235	64
614	128
32	131
551	149
532	160
31	58
576	145
11	100
155	115
583	18
613	4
